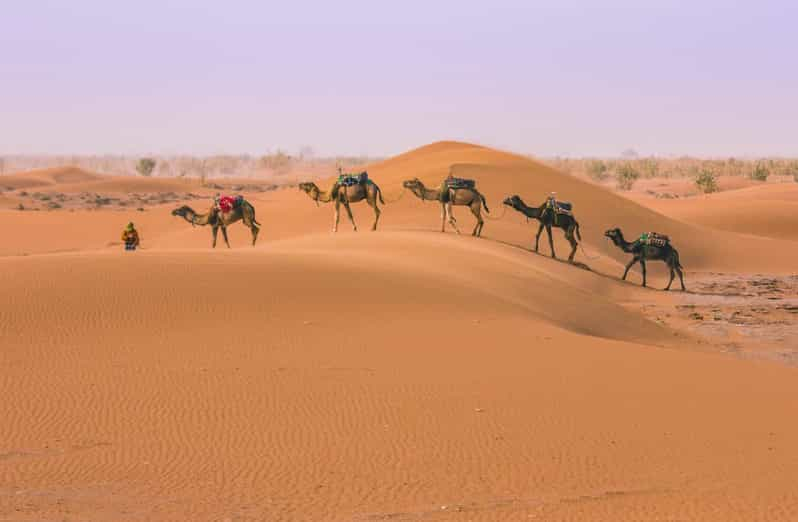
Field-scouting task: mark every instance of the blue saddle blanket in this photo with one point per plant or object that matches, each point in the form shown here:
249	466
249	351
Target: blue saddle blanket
459	183
347	180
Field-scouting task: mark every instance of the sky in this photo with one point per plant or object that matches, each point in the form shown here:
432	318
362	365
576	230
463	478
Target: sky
568	77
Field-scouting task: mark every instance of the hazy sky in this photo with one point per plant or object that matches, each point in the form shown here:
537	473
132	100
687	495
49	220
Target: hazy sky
572	77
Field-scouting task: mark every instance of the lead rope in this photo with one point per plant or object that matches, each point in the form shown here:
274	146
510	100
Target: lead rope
584	252
489	216
392	201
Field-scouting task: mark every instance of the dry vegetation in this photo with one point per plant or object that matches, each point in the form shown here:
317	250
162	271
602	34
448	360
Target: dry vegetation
273	165
704	172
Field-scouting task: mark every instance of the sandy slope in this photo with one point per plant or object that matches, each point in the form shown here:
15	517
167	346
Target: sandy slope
404	375
766	210
48	177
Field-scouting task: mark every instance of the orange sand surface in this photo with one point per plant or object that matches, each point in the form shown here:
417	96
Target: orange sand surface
398	375
766	210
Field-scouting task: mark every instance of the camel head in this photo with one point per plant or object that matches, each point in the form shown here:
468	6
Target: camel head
310	188
307	187
513	201
183	211
188	214
413	184
615	235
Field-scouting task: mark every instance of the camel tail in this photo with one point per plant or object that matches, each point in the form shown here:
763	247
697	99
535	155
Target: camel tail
379	193
484	203
255	221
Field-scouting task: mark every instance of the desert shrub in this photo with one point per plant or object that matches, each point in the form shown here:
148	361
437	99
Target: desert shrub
649	167
203	174
279	161
626	176
706	182
164	168
145	166
597	170
791	169
564	165
760	172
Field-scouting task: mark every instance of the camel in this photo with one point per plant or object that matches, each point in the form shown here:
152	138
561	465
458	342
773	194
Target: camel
216	219
642	252
564	221
469	197
344	195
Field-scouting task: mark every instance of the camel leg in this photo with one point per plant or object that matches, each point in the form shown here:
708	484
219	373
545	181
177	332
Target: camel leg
477	214
249	221
452	220
569	235
224	235
643	269
537	237
349	213
443	217
551	241
672	275
377	213
337	216
681	277
214	231
628	266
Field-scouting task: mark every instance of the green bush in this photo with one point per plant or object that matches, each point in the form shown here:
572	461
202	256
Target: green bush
597	170
706	182
145	166
626	176
760	172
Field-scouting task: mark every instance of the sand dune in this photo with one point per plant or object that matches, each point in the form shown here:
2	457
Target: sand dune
765	210
402	375
46	177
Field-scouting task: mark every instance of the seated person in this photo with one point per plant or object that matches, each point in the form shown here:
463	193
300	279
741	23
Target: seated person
130	236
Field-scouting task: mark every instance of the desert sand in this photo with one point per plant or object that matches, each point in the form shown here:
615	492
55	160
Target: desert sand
403	374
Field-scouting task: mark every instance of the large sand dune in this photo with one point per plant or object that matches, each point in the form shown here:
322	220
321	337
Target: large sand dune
398	375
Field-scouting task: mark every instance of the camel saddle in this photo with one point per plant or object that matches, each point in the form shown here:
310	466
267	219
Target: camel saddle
653	239
459	183
347	180
228	203
560	207
564	207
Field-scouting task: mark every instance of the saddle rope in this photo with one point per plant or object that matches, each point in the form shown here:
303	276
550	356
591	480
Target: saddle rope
490	216
584	253
392	201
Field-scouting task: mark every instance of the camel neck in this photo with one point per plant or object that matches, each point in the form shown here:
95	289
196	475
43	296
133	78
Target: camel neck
532	212
623	244
196	219
428	194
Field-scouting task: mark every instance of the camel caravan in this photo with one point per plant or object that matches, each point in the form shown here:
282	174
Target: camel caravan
452	191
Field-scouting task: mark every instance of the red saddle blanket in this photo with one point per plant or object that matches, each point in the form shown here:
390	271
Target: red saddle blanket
227	203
